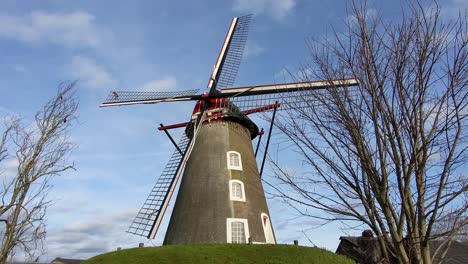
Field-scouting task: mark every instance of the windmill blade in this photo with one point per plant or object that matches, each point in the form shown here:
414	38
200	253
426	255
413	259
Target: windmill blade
152	211
118	98
287	87
229	58
287	94
150	216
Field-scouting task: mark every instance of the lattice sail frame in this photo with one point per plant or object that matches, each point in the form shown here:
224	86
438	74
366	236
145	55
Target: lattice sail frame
230	57
150	215
117	98
244	97
288	95
145	220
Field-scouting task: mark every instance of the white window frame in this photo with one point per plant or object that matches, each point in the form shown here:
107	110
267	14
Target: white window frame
231	195
233	167
229	231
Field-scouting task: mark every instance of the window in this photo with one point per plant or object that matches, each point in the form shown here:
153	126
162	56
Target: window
267	230
237	230
236	190
234	161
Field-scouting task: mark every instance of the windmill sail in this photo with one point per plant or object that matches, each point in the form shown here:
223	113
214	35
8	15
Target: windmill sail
150	216
153	209
230	56
116	98
299	94
288	87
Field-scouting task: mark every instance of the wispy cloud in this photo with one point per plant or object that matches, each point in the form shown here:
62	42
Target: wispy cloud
284	75
11	164
454	8
301	74
92	74
19	68
70	29
253	49
4	112
278	9
87	237
164	84
371	14
8	170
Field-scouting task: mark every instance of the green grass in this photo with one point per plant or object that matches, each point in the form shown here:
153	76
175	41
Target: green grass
221	253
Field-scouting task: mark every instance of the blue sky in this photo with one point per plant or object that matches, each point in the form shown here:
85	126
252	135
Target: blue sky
153	46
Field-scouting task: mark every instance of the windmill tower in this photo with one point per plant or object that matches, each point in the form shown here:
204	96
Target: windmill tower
221	198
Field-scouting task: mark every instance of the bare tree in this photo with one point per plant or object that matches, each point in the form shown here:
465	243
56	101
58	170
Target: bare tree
40	152
391	153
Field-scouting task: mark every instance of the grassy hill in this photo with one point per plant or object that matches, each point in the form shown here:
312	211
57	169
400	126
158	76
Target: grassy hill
221	253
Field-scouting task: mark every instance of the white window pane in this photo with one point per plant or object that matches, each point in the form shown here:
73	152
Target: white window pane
234	159
236	190
238	232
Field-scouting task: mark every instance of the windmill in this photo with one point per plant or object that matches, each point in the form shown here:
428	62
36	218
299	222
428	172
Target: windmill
220	198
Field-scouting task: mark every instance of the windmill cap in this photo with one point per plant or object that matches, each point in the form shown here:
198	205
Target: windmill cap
220	109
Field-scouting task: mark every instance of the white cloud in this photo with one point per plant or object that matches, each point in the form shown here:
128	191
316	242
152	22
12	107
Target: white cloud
453	9
164	84
253	49
11	164
371	14
8	170
19	68
92	74
278	9
70	29
283	76
5	112
87	237
297	75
